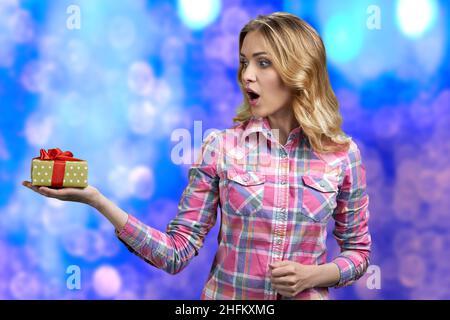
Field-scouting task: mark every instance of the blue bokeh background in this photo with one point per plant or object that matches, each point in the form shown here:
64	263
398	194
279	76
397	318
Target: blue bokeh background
114	90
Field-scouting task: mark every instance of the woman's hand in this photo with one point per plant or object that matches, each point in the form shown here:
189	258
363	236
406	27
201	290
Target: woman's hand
88	195
290	278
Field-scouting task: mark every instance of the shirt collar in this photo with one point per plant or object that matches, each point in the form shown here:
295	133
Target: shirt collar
257	124
261	124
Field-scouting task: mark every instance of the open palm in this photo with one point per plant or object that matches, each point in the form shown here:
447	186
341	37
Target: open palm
86	195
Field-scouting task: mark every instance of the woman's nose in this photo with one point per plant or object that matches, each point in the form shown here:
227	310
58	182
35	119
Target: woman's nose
248	75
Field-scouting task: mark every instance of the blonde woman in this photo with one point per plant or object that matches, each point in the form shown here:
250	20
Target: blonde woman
279	175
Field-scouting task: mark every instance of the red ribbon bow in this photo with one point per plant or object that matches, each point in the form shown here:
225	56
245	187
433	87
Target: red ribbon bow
57	154
59	166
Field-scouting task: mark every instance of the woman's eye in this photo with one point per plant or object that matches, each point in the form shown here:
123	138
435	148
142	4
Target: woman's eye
264	63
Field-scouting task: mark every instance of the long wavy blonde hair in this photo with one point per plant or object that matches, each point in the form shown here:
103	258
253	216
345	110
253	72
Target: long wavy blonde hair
299	57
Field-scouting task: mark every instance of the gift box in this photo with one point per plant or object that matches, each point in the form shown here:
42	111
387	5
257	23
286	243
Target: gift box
58	169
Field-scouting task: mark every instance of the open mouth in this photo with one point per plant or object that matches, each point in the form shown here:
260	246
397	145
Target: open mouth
253	97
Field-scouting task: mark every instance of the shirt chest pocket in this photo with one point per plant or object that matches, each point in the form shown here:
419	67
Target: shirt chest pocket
318	197
244	192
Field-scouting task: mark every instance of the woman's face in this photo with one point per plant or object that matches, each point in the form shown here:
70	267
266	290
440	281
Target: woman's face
259	75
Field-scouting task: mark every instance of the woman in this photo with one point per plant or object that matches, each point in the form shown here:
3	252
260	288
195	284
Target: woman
279	176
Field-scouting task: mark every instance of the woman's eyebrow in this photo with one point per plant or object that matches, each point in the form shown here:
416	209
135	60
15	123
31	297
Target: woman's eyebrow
254	55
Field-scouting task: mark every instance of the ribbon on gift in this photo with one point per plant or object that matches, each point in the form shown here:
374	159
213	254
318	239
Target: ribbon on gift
59	165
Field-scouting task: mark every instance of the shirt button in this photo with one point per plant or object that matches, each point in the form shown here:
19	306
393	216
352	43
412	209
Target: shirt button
283	182
283	209
245	178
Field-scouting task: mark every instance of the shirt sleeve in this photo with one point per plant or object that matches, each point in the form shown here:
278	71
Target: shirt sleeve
173	249
351	216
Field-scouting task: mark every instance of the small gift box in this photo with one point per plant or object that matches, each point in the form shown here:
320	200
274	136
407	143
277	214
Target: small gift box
58	169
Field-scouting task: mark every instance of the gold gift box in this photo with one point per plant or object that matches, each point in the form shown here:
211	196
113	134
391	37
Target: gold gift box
75	173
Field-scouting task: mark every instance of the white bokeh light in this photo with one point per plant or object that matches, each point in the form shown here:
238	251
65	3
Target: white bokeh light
198	14
17	28
122	32
38	129
84	243
163	92
233	19
107	281
412	270
77	56
137	181
141	78
25	285
116	181
415	17
141	182
142	117
37	75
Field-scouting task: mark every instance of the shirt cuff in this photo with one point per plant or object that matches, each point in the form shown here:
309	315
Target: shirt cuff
132	233
346	271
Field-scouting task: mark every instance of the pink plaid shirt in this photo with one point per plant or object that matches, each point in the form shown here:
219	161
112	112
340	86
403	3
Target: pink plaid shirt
275	203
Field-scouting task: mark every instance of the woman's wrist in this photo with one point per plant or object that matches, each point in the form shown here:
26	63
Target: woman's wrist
110	211
326	275
96	200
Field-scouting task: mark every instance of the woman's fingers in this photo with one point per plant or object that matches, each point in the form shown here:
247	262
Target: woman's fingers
83	195
26	183
49	192
284	292
283	281
42	190
30	186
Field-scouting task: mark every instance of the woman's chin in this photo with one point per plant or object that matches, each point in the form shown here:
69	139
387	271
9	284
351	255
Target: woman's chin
256	114
259	114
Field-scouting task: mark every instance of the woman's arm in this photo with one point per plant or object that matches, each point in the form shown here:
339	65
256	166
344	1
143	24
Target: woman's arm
89	195
171	250
290	278
351	217
110	211
326	275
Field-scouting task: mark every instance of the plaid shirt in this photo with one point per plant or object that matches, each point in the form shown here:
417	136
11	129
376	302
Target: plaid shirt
275	204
